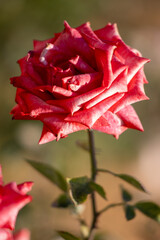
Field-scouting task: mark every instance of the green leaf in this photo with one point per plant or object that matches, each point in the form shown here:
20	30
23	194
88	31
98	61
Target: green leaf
131	180
126	196
98	188
150	209
63	201
80	188
127	178
51	173
129	212
67	236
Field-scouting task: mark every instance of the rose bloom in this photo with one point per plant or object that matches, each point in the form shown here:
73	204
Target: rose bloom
80	79
6	234
13	197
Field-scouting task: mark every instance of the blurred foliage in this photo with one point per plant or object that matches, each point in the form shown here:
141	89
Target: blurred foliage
21	21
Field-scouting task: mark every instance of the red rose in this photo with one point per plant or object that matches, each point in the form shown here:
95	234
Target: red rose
6	234
13	197
80	79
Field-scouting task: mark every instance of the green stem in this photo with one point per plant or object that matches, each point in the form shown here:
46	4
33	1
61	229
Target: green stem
106	171
110	206
92	155
93	178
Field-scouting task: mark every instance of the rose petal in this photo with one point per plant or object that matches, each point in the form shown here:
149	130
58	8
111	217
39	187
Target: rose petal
71	43
119	85
110	124
39	45
29	69
74	104
60	74
130	118
59	127
46	136
12	201
90	37
53	55
36	106
58	92
18	114
135	93
81	65
108	33
5	234
24	82
25	187
103	59
20	108
84	82
117	66
89	116
129	58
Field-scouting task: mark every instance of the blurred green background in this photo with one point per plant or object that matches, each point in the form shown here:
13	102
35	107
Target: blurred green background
135	153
